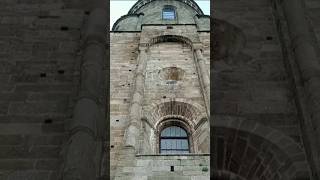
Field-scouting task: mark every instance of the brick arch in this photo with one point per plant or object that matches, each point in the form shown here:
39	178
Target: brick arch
189	115
191	112
170	38
256	152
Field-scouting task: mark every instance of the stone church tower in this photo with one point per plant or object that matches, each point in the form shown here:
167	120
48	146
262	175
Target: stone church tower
265	90
160	92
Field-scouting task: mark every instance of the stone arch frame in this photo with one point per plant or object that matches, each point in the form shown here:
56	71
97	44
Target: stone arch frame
157	116
296	166
154	114
170	38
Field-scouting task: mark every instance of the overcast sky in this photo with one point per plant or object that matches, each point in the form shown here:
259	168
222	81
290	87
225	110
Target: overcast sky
119	8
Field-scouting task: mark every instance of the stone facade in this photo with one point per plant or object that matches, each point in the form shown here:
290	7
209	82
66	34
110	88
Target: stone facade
159	76
42	44
264	90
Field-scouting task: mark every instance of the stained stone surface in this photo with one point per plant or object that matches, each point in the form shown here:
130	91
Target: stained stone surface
39	41
259	131
170	87
256	93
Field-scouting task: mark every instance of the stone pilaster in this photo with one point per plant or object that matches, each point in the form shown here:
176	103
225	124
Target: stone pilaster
309	68
135	110
141	15
84	150
204	78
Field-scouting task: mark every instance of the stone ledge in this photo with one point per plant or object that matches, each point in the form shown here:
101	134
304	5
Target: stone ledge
160	155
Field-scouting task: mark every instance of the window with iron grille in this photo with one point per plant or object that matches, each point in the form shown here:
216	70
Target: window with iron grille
174	140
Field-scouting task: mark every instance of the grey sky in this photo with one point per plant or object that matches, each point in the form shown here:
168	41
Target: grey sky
119	8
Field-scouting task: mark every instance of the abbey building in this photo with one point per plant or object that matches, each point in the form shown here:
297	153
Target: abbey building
160	92
262	109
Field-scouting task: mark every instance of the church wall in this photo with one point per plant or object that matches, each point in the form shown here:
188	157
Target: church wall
193	167
167	62
251	83
123	60
124	53
39	49
129	23
153	13
313	15
203	23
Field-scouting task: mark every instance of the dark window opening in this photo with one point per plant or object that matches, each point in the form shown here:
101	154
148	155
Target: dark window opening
174	140
171	168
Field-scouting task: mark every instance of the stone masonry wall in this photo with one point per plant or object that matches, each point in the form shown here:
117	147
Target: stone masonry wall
123	56
158	88
39	46
252	88
192	167
313	14
254	83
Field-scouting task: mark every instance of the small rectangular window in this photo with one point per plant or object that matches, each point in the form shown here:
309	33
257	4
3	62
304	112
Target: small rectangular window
168	14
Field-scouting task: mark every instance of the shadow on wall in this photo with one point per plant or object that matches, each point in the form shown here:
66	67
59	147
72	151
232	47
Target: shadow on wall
229	40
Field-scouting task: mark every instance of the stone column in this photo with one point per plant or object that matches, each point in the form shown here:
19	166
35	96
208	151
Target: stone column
84	150
135	110
309	68
204	77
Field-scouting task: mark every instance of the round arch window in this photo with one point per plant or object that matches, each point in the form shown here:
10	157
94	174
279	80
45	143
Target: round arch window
174	140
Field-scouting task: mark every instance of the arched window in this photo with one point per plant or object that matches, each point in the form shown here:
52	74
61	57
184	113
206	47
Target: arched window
174	140
168	13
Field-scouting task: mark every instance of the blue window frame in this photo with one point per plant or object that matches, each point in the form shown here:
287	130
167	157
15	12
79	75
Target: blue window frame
168	13
174	140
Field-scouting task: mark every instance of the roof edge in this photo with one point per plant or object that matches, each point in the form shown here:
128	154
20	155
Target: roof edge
139	4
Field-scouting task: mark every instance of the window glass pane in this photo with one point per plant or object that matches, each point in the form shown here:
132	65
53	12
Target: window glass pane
179	144
174	144
174	131
171	131
168	13
183	133
184	144
174	140
165	132
163	144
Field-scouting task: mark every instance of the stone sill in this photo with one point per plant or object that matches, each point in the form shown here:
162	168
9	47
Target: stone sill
179	155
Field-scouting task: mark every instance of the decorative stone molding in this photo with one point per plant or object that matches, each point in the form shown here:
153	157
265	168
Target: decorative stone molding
179	109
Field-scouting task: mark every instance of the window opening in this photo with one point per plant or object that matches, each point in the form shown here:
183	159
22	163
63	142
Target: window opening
174	140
